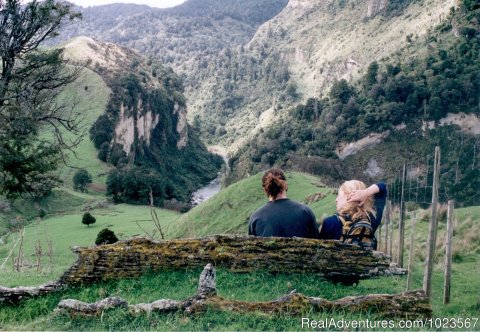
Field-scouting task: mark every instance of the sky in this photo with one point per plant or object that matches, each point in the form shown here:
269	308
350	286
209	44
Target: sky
151	3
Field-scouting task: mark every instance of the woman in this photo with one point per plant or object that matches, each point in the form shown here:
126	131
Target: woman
355	202
281	216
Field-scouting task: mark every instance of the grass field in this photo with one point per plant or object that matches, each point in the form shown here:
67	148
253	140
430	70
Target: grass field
66	230
225	213
38	314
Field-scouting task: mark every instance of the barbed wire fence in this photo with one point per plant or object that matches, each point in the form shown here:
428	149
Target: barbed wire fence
412	195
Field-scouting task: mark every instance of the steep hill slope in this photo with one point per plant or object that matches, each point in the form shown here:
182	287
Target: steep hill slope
244	62
187	37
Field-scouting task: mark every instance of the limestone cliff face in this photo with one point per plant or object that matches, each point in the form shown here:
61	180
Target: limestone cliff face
182	125
138	125
129	127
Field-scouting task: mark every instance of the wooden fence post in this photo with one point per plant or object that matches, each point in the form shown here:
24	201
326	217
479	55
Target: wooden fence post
387	224
448	253
401	221
390	212
432	231
411	253
379	238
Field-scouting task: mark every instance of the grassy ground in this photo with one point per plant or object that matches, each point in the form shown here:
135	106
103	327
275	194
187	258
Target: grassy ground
38	314
66	230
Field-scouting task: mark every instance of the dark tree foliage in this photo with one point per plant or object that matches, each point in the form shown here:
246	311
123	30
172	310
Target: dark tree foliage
106	236
30	80
341	91
81	179
102	131
88	219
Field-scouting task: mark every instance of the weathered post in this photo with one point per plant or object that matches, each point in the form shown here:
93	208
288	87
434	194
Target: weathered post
448	253
411	254
432	231
401	222
379	238
387	222
390	213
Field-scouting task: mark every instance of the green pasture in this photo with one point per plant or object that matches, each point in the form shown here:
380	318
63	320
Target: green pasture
65	231
37	314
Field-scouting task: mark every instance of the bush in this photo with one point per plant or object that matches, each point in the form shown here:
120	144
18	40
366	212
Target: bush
42	213
88	219
81	179
106	236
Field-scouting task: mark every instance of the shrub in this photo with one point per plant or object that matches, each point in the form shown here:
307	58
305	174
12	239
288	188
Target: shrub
81	179
42	213
106	236
88	219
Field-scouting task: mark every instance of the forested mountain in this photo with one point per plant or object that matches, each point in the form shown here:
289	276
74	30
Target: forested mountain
144	131
433	81
187	37
243	61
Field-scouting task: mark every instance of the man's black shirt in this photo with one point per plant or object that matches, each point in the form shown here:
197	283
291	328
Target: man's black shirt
283	218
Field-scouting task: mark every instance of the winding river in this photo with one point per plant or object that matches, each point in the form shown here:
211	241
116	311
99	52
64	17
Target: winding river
215	186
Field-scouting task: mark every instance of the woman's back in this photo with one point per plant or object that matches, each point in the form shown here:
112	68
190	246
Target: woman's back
280	216
284	218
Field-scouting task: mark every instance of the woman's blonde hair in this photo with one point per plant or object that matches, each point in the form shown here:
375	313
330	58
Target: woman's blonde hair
353	209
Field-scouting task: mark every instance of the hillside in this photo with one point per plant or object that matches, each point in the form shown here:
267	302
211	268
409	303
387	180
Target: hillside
143	131
401	107
299	54
244	64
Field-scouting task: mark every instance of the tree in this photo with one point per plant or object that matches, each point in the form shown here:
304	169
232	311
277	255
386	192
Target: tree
371	76
341	91
30	80
88	219
81	179
106	236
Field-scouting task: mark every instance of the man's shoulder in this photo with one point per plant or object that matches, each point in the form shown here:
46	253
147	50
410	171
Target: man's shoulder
300	207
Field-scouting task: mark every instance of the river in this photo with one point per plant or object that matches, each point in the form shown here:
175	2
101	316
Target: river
215	186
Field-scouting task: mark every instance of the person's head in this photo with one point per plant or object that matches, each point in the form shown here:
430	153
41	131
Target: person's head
274	183
355	210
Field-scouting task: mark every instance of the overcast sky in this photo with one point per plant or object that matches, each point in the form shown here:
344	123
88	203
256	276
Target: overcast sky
151	3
